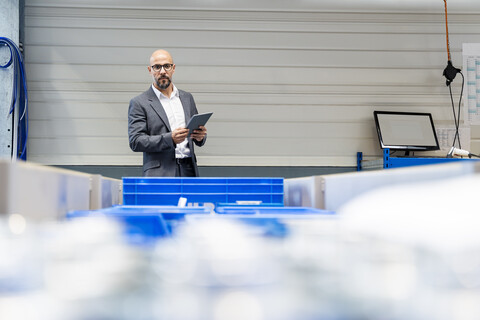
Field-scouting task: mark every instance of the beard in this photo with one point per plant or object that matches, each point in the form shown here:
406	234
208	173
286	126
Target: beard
163	84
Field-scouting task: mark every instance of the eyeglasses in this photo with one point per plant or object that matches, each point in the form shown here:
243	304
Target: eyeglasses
158	67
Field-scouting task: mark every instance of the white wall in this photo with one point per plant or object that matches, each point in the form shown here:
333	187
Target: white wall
290	83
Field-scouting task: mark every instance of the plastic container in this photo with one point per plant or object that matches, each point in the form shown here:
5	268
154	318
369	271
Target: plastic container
144	224
241	204
265	210
269	226
200	191
263	220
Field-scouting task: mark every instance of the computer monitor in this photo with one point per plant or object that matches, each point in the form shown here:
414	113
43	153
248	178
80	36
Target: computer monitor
407	131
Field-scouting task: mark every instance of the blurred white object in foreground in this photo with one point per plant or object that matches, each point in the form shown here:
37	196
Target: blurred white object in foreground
441	215
437	224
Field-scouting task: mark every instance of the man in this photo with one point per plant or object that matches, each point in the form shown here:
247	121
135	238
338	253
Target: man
156	123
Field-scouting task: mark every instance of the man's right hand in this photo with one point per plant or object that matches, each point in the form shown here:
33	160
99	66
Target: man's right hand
179	135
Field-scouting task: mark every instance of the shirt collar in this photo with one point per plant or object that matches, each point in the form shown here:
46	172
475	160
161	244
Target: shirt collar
159	94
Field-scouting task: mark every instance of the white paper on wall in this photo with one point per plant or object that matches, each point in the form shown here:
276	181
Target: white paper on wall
471	89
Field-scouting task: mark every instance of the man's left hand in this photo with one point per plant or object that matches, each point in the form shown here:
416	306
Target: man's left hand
199	134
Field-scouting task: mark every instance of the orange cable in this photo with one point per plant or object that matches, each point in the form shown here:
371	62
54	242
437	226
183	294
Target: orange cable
446	25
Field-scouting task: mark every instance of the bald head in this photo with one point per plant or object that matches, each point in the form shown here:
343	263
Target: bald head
162	55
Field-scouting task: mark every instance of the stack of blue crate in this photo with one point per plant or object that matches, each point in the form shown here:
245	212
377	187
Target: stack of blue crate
150	208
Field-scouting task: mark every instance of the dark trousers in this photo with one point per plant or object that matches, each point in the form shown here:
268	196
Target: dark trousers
185	168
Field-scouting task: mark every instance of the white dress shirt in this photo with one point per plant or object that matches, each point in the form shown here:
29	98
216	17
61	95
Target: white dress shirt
176	118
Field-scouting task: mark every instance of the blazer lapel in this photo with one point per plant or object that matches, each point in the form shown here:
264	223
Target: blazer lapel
186	106
157	106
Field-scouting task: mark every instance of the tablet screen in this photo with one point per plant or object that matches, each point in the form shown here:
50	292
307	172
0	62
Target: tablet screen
198	120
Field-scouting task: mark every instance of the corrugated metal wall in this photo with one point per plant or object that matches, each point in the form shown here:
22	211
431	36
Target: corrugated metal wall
290	85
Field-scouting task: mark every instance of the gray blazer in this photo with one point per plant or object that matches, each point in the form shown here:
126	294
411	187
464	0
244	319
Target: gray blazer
149	132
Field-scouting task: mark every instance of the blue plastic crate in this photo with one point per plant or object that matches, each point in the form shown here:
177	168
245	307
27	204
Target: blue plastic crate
127	209
266	210
144	224
269	225
139	229
168	191
243	205
266	220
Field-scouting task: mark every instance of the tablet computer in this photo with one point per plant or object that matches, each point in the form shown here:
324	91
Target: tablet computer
198	120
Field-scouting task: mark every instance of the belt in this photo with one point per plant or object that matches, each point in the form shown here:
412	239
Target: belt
184	160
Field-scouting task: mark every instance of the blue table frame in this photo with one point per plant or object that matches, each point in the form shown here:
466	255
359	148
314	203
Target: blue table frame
398	162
